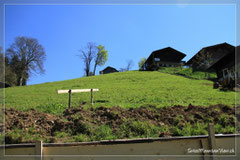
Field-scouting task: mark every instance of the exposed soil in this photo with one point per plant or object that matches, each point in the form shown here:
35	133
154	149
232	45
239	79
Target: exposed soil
75	119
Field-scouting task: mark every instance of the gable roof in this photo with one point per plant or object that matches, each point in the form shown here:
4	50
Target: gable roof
226	59
167	54
214	48
109	68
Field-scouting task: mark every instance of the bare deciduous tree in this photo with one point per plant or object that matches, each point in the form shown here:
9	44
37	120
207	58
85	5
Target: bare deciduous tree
87	55
30	56
203	59
129	65
122	69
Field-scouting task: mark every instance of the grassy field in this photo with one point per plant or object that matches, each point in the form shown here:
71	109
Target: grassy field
155	90
187	72
125	89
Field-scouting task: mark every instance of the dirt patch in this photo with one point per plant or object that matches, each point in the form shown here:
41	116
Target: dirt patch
23	120
77	120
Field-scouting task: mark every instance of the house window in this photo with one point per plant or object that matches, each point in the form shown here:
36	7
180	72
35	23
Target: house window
156	59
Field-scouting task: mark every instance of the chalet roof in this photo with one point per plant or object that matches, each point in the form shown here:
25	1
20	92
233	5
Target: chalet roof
108	67
213	49
224	60
229	56
168	53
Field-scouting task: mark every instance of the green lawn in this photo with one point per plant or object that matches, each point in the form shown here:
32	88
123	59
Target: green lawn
187	72
125	89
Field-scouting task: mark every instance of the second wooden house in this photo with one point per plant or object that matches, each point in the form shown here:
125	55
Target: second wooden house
166	57
108	70
208	56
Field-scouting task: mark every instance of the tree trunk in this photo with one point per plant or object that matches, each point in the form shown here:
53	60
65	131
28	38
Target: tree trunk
87	73
94	70
21	81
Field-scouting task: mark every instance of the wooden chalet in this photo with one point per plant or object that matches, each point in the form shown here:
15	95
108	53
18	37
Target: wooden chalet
108	70
166	57
208	56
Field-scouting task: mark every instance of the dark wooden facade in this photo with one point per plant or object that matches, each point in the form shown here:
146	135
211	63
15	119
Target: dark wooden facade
166	57
108	70
215	52
227	63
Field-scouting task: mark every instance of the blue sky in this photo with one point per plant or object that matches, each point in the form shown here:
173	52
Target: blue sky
129	32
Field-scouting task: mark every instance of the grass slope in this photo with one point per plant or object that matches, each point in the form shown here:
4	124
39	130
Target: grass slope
125	89
188	72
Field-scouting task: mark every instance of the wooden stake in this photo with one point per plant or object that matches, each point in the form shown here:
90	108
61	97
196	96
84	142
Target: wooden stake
38	150
92	97
211	138
202	146
70	94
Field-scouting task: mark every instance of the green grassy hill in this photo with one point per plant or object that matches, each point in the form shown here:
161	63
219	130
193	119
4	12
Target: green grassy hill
125	89
129	90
